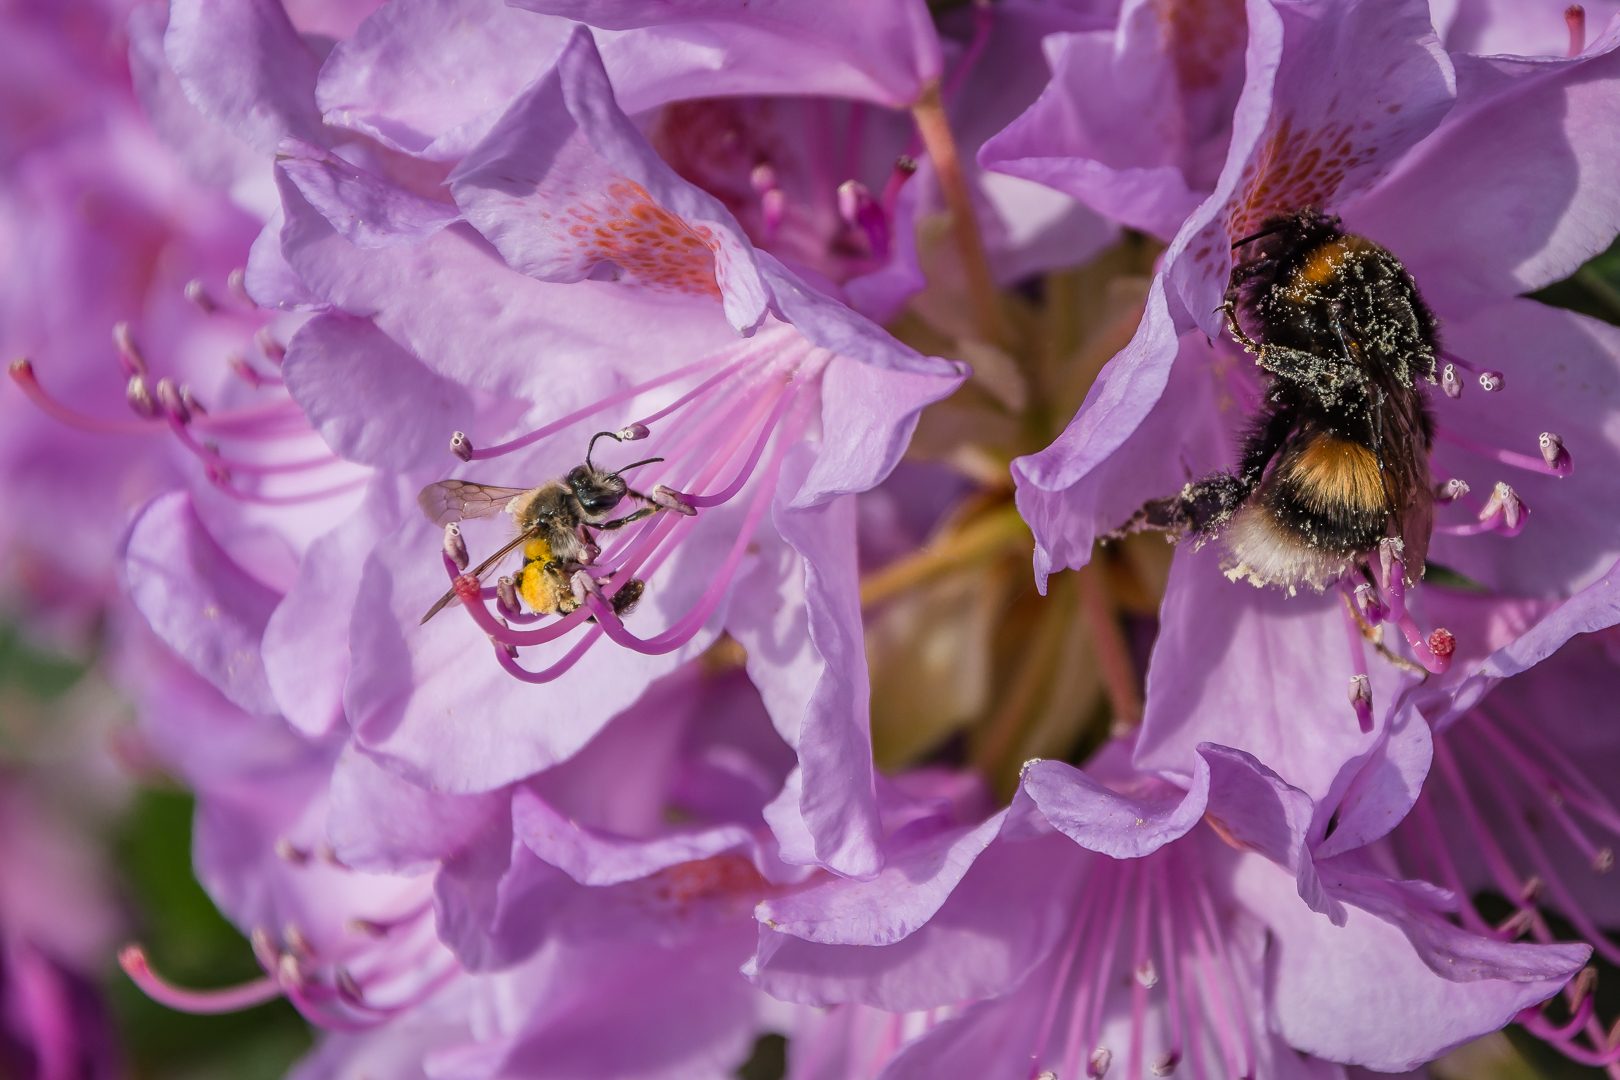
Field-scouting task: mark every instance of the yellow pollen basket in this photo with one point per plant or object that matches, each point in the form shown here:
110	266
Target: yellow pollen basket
541	590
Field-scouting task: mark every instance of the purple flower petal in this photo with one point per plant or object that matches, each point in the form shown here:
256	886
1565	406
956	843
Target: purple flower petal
564	183
1257	670
243	65
915	881
780	47
1300	139
305	648
1105	821
466	315
1359	994
203	606
597	857
372	401
998	923
1455	210
385	825
1379	790
837	800
366	210
1256	810
430	77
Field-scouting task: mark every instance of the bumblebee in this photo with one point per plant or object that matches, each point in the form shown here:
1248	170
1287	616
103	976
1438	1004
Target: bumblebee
1337	460
555	522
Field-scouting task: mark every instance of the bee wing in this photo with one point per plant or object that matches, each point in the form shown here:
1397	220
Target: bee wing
458	500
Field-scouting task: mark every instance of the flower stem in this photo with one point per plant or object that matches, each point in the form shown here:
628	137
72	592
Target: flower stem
990	535
1112	651
935	129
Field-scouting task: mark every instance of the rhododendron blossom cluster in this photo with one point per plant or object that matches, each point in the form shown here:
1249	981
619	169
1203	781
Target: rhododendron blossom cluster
558	483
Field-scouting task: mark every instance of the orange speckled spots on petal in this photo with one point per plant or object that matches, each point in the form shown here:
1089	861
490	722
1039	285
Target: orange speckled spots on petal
1205	38
628	228
1292	170
721	884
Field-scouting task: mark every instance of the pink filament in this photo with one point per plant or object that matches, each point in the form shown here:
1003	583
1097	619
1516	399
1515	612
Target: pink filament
590	410
213	457
556	670
1541	1028
132	958
689	624
22	373
747	470
1527	462
1358	662
1575	19
984	20
1071	946
290	500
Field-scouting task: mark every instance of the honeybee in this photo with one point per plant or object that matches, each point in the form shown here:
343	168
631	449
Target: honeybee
1337	460
555	522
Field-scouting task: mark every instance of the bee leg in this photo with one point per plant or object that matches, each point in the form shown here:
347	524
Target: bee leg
1248	343
619	523
1203	506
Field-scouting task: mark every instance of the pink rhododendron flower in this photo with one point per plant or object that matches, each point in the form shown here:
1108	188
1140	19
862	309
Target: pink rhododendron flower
374	291
1405	186
1152	943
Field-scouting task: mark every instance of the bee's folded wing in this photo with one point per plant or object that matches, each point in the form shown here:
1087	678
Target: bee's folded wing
458	500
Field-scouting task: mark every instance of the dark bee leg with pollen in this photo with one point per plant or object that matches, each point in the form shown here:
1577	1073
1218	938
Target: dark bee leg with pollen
1205	505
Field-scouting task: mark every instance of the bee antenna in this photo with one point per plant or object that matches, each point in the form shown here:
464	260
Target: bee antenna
592	446
637	465
1255	236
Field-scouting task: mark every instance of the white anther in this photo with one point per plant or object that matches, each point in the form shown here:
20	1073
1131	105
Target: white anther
273	350
1147	976
1491	381
244	371
297	944
289	972
455	547
347	985
461	446
1553	452
288	852
1391	549
264	948
1450	491
506	594
634	433
1360	690
670	499
1166	1065
1584	984
237	284
1504	501
1097	1066
1450	381
124	342
191	401
583	586
1603	861
140	397
197	293
763	178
